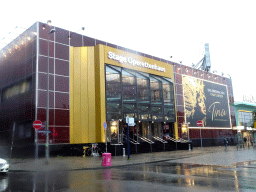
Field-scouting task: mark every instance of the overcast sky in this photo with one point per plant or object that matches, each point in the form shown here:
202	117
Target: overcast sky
161	28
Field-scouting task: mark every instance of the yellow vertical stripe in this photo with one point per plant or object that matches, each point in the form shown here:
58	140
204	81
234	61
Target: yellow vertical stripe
71	113
176	134
91	95
77	94
84	98
100	92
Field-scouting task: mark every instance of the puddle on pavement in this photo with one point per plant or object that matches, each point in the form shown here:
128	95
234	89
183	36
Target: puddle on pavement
246	163
222	177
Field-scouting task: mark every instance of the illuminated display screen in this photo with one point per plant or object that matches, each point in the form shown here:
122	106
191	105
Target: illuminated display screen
205	101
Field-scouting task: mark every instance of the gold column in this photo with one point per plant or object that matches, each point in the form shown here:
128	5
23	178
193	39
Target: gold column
100	92
91	97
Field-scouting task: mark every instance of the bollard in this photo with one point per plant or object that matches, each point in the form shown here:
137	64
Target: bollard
123	151
189	147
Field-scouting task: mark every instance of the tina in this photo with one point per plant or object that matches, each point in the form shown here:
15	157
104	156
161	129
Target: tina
215	111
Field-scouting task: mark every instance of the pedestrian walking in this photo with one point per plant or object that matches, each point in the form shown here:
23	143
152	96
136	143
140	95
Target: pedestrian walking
226	143
245	140
251	141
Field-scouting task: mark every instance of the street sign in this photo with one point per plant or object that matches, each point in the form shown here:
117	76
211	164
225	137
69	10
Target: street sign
127	119
44	131
105	125
199	123
131	122
37	124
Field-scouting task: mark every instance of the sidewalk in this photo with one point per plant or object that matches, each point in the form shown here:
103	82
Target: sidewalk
205	155
231	157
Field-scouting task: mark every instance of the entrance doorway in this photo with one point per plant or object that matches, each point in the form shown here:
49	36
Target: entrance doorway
114	132
155	129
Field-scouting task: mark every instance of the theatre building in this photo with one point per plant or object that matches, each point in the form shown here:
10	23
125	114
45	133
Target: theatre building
92	82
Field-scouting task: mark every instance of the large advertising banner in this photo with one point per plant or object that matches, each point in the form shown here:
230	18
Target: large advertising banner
205	101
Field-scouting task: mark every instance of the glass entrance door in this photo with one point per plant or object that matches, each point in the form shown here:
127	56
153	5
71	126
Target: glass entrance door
158	129
114	132
146	131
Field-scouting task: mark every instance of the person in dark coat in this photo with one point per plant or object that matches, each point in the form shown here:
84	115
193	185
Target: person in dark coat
245	140
226	143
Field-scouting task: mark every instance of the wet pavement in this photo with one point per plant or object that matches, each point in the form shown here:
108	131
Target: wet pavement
222	157
208	155
206	169
161	176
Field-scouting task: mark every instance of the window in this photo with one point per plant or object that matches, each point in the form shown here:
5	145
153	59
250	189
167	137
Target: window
113	84
113	93
129	86
136	94
245	119
155	89
143	88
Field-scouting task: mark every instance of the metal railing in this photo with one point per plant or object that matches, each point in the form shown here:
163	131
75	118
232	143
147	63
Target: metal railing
144	139
159	139
131	140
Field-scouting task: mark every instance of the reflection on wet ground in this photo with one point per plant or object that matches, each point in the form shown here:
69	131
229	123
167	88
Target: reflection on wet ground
150	177
192	176
221	178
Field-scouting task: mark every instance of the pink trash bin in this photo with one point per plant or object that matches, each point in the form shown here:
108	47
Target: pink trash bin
106	159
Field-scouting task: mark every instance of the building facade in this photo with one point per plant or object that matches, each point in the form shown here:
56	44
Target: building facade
92	82
245	119
207	97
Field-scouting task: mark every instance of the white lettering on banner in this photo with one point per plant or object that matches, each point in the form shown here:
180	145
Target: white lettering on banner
130	60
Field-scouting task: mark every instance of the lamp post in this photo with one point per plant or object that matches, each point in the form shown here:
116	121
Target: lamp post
47	107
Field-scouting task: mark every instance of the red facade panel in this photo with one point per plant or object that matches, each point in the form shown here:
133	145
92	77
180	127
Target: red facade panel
61	83
75	40
194	133
62	117
181	120
43	48
88	41
179	99
43	64
61	67
61	51
62	36
178	78
180	110
177	68
42	99
179	89
62	100
41	115
44	29
42	81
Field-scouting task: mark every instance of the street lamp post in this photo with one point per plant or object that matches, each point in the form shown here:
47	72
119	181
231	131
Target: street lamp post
47	107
